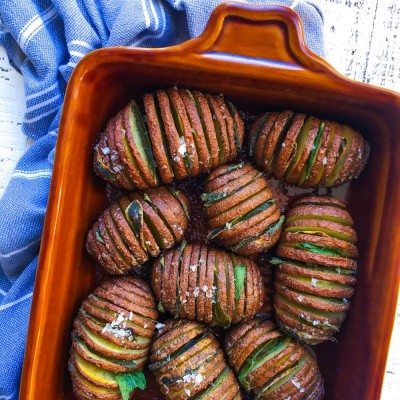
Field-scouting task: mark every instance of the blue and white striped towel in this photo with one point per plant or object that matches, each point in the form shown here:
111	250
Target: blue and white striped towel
44	40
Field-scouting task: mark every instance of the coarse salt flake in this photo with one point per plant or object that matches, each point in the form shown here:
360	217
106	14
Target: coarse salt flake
228	225
105	150
296	383
324	161
314	281
193	267
159	325
300	298
182	147
198	379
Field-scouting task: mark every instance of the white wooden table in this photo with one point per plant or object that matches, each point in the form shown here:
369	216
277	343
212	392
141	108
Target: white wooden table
362	41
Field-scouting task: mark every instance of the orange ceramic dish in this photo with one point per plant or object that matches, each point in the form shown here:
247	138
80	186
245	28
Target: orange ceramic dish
257	57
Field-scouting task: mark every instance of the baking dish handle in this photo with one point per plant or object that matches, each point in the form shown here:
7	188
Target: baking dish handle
260	34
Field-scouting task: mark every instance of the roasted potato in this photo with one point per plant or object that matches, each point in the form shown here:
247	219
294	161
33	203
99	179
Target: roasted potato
315	268
111	337
138	226
198	282
306	151
178	134
241	212
188	363
271	364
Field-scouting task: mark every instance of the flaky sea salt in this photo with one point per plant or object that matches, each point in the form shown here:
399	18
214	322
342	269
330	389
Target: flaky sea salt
105	150
114	328
324	161
182	147
314	281
296	383
159	325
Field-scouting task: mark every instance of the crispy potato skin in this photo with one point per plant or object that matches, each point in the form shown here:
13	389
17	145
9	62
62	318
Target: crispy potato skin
306	151
186	360
276	353
138	226
112	334
315	268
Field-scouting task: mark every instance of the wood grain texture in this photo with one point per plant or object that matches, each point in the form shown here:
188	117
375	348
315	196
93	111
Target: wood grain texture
12	105
362	41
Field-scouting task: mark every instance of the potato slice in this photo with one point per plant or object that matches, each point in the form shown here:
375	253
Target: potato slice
172	135
288	148
86	390
206	119
117	165
139	143
125	153
95	244
220	130
158	139
263	138
307	149
233	138
187	149
199	135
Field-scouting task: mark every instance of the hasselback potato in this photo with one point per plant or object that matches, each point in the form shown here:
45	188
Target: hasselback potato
271	364
210	285
316	268
178	133
136	226
111	338
188	362
241	211
305	151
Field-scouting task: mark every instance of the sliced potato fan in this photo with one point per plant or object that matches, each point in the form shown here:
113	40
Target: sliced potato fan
241	212
112	338
315	268
305	151
178	134
271	364
138	226
198	282
188	363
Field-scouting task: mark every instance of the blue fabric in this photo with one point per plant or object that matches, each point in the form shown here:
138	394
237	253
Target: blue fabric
44	40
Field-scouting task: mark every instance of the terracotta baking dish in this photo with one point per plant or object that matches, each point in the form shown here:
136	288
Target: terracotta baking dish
257	57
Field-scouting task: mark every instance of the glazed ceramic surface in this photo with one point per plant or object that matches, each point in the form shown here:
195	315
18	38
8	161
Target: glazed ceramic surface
257	57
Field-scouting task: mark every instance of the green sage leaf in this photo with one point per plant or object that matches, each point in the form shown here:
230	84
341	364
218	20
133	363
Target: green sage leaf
129	381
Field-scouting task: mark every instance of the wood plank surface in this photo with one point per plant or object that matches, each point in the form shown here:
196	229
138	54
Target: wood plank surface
362	41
